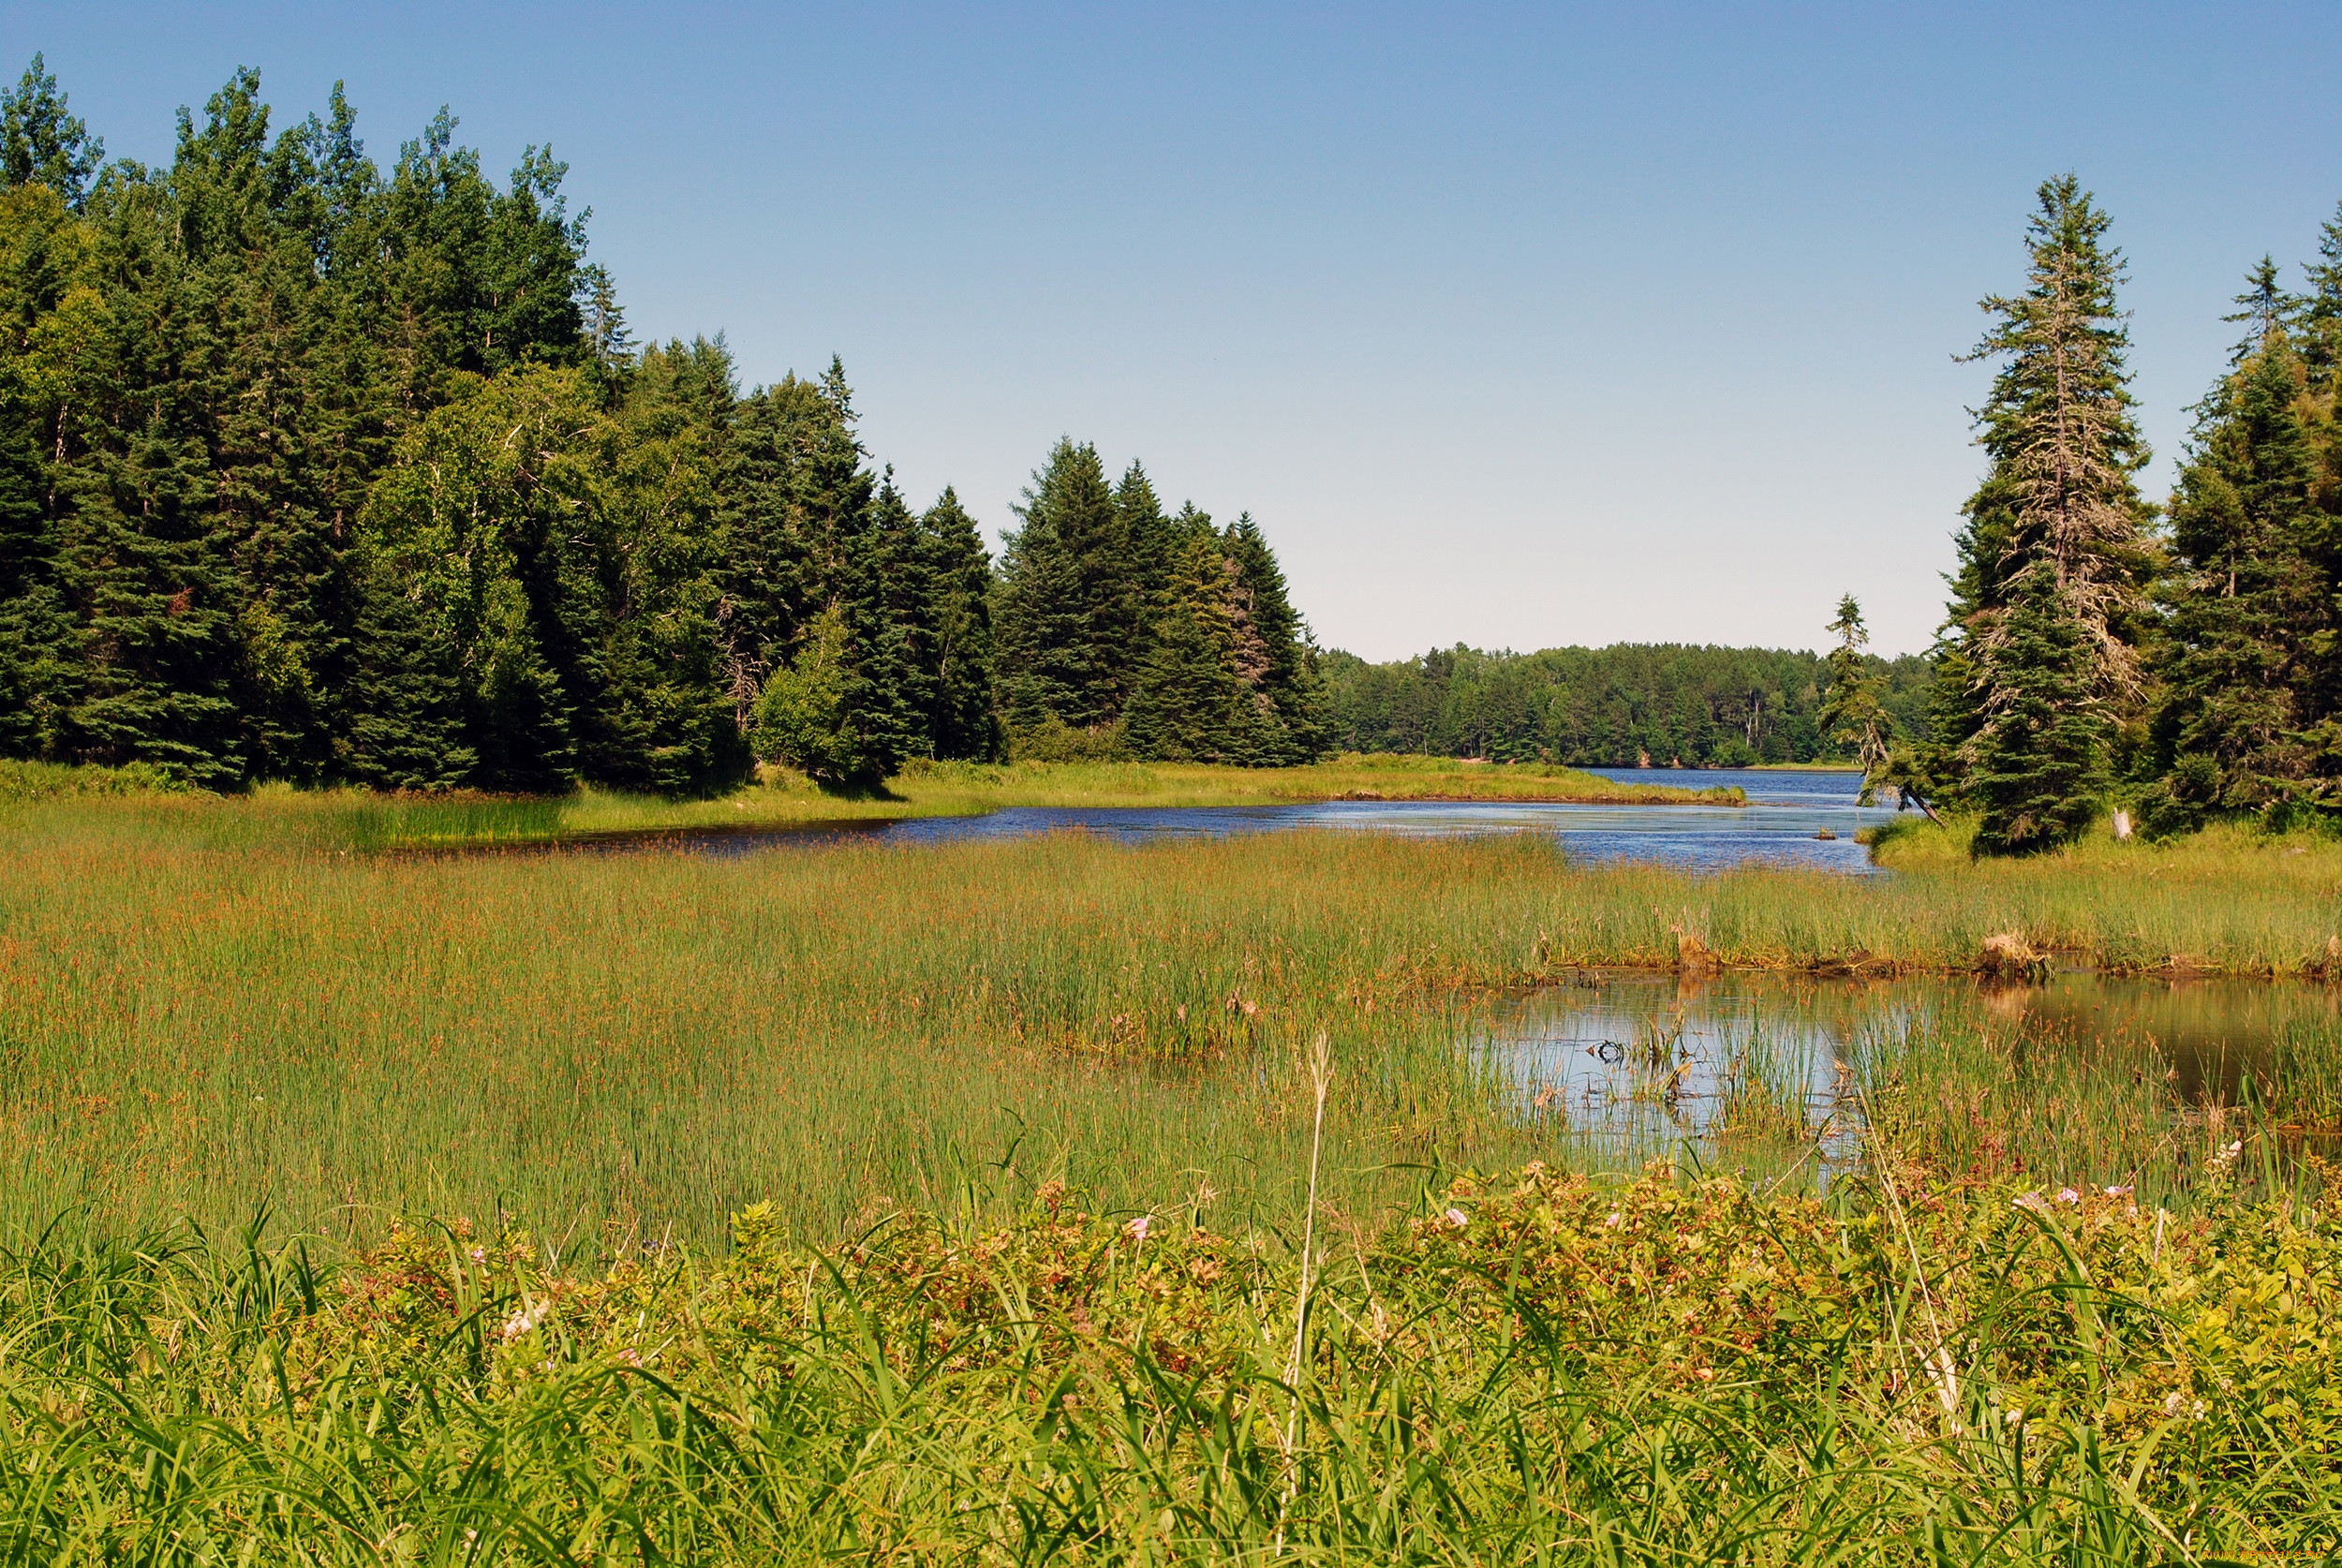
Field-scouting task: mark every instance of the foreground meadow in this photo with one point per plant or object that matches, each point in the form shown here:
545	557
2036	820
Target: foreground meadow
995	1202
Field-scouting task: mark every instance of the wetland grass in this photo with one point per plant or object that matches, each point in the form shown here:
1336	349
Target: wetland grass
196	1014
803	1190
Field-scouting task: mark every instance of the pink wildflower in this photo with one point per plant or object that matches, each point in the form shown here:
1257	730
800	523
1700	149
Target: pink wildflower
1457	1218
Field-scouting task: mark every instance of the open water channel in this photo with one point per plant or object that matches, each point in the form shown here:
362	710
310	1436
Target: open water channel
1782	824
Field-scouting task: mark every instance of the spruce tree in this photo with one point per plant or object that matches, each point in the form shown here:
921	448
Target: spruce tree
1853	715
2038	763
1069	605
38	653
844	714
1288	691
2249	607
963	718
2043	646
1189	702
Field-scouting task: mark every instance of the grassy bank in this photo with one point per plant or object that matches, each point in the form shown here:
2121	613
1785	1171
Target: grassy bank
804	1193
364	822
1536	1370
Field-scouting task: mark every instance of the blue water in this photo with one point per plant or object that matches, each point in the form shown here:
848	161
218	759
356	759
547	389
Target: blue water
1777	828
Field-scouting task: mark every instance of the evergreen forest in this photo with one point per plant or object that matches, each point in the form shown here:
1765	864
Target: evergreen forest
319	470
1625	706
316	470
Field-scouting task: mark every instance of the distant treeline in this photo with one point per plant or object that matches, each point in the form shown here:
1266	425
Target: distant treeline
315	470
1620	706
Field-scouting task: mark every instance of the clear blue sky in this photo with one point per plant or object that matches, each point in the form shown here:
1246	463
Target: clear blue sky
1512	325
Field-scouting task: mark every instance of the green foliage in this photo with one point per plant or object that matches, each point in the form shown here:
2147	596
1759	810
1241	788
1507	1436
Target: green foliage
2038	665
805	717
958	653
1853	715
316	470
1070	600
1540	1367
1167	636
42	144
2247	718
1607	707
2038	769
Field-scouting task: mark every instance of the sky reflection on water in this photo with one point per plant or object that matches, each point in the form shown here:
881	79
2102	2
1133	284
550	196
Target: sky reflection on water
1780	827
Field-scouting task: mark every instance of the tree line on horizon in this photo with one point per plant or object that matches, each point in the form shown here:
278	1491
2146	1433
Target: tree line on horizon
317	471
1625	706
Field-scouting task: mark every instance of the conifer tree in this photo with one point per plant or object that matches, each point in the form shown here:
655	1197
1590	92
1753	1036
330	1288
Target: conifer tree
1189	702
1069	605
317	471
1288	692
1853	715
2319	312
2249	606
963	718
2041	655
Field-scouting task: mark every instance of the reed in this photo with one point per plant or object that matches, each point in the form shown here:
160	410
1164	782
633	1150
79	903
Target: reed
199	1011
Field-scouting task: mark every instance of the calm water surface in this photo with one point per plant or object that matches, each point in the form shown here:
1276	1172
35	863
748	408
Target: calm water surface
1780	826
1638	1062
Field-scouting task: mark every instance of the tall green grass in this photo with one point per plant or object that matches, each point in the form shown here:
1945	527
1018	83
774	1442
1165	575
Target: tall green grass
196	1013
1533	1370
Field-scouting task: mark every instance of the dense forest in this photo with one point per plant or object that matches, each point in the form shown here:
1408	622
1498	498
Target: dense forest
315	471
319	471
1624	707
2186	665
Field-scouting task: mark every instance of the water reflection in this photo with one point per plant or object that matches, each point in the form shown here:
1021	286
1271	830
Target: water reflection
1637	1064
1797	820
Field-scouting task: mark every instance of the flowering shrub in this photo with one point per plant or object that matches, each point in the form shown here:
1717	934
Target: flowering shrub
1678	1366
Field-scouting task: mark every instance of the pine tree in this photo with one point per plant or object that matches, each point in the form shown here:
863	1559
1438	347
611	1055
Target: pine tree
2249	604
2042	642
963	718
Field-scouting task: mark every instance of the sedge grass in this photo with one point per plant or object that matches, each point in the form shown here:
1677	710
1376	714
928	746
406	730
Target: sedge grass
364	822
195	1016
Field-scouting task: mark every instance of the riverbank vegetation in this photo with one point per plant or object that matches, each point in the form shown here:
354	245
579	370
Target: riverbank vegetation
2184	670
780	798
317	471
1665	706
